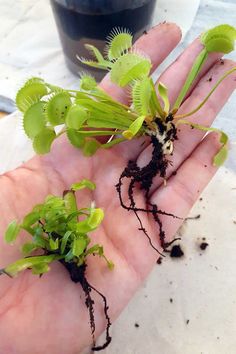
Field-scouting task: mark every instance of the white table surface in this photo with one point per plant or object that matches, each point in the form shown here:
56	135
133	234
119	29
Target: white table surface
202	284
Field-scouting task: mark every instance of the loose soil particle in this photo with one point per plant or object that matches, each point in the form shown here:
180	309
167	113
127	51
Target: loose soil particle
176	252
203	246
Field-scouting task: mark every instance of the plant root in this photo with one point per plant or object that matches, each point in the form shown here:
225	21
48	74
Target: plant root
77	275
143	178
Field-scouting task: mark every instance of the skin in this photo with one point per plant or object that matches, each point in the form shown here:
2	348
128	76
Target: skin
48	314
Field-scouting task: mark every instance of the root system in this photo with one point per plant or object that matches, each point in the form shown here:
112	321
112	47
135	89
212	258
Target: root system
142	177
77	275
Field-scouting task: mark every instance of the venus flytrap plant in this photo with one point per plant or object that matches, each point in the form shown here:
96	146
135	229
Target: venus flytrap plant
89	112
59	232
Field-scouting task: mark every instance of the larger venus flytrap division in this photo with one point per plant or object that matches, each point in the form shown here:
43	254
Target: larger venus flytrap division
60	231
89	112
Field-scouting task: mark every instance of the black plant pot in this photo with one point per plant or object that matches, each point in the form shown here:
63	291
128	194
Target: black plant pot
90	21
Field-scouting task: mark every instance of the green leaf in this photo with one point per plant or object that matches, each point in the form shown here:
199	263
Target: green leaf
95	52
28	248
85	183
119	42
95	249
92	222
229	72
197	65
90	147
83	227
101	65
128	68
110	264
134	128
106	114
94	133
219	39
104	106
223	137
33	90
76	117
34	80
163	91
221	156
141	96
57	108
34	120
40	268
98	55
98	249
22	264
95	218
155	105
87	83
95	92
105	123
73	216
69	256
54	244
65	240
54	88
30	219
37	208
43	141
70	201
12	232
53	201
38	238
78	246
75	138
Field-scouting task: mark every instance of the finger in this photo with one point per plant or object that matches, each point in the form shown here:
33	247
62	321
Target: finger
175	75
157	45
189	138
183	189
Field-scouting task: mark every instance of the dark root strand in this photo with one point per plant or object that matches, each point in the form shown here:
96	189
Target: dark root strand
143	177
77	275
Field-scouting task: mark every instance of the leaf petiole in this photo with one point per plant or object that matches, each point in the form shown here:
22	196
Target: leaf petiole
207	97
201	58
222	154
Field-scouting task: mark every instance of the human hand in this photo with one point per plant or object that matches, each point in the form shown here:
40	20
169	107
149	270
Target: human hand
49	314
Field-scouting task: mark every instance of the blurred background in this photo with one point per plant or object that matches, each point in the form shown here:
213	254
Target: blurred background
31	44
187	306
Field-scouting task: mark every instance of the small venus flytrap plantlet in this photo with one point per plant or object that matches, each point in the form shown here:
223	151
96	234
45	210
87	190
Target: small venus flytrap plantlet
60	232
89	112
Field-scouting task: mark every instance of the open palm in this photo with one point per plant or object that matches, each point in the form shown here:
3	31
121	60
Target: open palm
49	314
